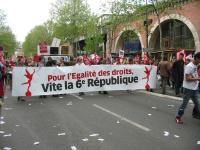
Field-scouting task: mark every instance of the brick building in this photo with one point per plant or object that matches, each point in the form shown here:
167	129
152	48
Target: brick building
180	29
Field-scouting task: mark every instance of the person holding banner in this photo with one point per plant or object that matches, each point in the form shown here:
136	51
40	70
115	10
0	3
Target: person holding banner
101	62
190	85
2	79
80	63
21	63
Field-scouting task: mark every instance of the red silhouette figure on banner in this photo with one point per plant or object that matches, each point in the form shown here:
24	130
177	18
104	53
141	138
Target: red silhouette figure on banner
29	76
147	72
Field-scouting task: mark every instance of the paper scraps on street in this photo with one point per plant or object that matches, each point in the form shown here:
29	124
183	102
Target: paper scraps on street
93	135
85	139
74	148
61	134
100	139
166	133
36	143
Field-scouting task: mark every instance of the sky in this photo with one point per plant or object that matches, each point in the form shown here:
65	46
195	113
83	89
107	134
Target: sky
24	15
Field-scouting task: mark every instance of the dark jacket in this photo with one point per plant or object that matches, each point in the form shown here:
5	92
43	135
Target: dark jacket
178	71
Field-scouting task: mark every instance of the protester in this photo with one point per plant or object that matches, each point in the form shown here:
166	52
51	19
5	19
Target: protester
80	63
188	59
62	62
177	73
41	64
21	63
164	68
49	62
2	79
102	62
190	85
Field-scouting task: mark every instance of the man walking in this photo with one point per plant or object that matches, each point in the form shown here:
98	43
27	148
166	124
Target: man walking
190	85
164	68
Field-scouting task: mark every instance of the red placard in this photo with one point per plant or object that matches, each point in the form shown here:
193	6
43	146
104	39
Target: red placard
43	47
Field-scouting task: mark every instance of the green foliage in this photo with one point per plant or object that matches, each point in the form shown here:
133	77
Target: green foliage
92	44
129	35
37	34
7	38
70	19
94	35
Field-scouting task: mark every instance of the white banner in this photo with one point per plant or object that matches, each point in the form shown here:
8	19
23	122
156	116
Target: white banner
32	81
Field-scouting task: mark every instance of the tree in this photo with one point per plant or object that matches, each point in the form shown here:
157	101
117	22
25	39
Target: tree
94	35
122	12
70	20
7	38
37	34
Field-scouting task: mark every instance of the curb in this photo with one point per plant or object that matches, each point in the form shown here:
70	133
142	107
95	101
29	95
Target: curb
162	95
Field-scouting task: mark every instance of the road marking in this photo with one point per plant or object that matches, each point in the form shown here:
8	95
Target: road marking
122	118
77	96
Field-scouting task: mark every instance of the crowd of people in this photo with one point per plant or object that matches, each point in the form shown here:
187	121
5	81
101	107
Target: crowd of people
180	74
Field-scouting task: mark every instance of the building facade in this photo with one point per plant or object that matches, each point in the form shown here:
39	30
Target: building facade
180	31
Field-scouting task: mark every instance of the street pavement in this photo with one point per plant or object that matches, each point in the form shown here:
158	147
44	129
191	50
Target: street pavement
120	120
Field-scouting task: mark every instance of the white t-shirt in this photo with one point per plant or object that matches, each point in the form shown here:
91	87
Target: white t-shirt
190	69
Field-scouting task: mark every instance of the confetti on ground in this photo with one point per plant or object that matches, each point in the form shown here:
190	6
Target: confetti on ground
2	118
2	122
60	97
176	136
154	107
110	96
118	122
61	134
29	104
36	143
92	135
17	125
5	97
166	133
41	103
69	104
54	126
170	105
85	140
198	142
7	135
2	132
91	94
149	114
7	108
101	140
7	148
73	148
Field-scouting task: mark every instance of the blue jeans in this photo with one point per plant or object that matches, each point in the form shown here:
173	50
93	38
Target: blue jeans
187	94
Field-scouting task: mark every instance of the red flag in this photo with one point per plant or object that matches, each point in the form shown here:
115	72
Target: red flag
146	58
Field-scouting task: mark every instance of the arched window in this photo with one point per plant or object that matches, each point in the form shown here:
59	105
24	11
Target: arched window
129	42
176	35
